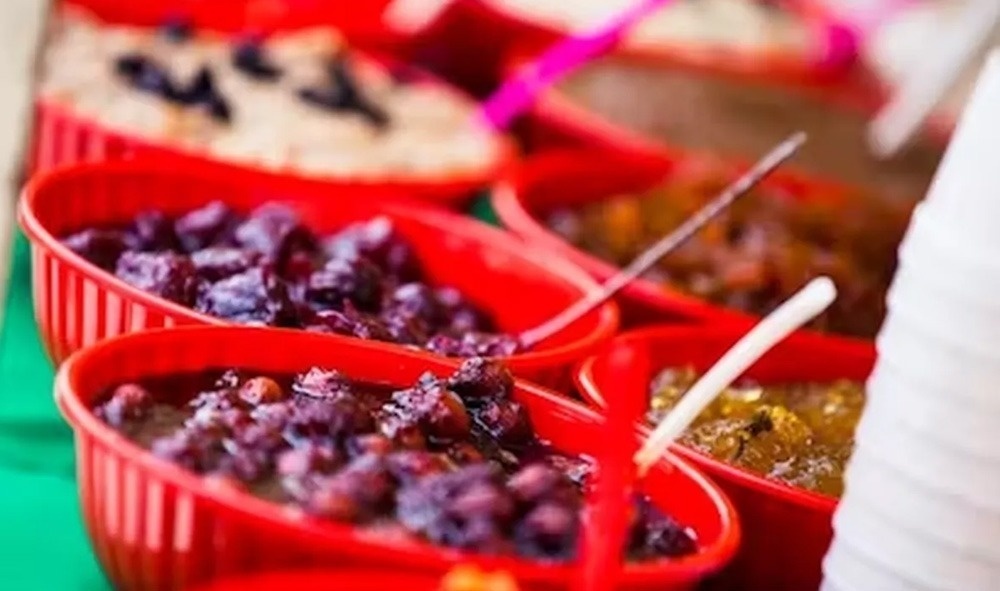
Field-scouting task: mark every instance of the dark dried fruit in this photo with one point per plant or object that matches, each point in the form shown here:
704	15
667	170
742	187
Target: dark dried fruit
218	262
100	247
506	420
249	58
211	225
354	279
323	384
129	402
168	275
342	93
254	297
480	379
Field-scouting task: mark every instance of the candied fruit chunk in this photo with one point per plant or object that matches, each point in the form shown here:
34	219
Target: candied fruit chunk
211	225
409	465
168	275
660	534
349	278
466	508
308	459
358	492
480	379
535	483
274	231
129	402
152	231
437	409
321	420
548	531
378	241
100	247
506	420
219	262
256	296
350	322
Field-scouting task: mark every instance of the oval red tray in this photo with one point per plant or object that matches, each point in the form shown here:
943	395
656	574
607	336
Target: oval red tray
786	529
78	304
156	526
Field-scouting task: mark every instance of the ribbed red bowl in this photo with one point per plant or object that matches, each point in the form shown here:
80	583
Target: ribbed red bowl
786	529
78	304
569	178
325	580
156	526
62	137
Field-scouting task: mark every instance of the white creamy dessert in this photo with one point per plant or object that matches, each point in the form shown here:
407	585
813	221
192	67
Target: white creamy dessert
742	25
302	103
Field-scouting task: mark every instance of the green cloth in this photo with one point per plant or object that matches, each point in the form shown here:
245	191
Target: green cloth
45	543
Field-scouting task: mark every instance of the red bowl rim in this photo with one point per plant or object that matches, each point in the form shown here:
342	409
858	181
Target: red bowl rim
590	391
606	317
507	199
334	579
706	560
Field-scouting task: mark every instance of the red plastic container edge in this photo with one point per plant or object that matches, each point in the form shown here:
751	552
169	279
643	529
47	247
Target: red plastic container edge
156	526
78	304
62	137
575	176
322	580
786	529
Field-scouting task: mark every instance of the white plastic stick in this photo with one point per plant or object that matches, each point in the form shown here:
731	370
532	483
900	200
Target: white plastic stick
797	311
958	45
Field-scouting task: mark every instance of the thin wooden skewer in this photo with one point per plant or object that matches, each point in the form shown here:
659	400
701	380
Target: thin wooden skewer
665	245
902	117
794	313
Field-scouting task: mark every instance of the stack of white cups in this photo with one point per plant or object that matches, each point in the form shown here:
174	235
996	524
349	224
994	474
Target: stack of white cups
922	503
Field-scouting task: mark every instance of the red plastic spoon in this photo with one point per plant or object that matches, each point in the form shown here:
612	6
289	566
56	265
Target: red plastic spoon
609	502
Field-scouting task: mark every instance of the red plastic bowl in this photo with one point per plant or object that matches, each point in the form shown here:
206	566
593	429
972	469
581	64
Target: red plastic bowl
156	526
62	137
78	304
319	580
575	177
786	530
536	33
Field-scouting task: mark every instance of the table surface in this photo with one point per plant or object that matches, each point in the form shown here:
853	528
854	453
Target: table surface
46	545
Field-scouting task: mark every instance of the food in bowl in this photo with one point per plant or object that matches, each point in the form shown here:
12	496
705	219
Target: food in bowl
759	252
453	461
653	103
801	434
299	102
749	25
268	268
